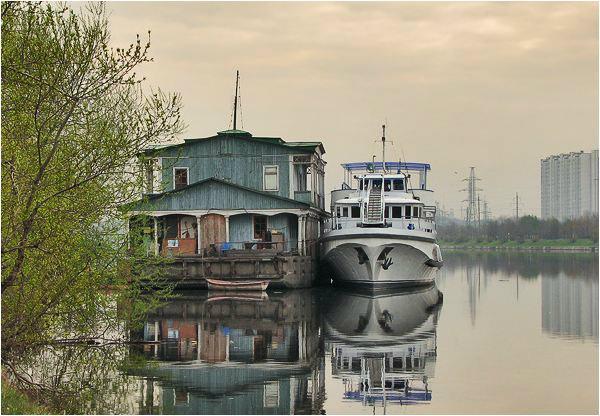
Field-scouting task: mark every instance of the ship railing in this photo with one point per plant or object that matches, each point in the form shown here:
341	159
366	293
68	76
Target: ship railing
425	224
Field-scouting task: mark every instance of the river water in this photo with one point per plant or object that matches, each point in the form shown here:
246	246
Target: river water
499	333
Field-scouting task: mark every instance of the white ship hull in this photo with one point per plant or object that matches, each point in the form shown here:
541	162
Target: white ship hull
381	257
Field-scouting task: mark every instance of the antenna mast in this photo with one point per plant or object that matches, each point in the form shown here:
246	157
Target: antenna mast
235	100
383	142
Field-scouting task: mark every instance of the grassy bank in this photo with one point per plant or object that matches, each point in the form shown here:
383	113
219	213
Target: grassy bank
527	244
15	402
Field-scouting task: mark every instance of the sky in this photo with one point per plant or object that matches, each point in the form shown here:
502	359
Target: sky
494	85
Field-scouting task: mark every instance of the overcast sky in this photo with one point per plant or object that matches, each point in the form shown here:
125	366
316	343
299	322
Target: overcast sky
492	85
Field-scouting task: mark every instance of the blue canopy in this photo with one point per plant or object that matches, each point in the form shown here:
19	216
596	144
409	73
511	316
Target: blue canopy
410	398
390	166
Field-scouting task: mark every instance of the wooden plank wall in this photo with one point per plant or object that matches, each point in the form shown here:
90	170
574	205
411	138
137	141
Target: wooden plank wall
241	162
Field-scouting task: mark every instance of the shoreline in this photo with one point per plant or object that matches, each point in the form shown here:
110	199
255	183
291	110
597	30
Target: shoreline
546	249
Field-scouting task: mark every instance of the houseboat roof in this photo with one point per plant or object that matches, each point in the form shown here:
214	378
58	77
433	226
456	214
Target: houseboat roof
178	198
303	145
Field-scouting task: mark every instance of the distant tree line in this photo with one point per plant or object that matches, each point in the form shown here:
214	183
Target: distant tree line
526	228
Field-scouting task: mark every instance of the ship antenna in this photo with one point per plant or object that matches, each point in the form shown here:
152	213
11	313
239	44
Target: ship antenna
235	100
383	143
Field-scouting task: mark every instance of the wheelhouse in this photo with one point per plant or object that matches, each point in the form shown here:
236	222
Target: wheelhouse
378	198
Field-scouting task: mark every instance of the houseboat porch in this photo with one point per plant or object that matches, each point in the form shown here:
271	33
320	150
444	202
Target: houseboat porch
275	245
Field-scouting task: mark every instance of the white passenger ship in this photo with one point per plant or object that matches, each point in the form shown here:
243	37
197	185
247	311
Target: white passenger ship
383	230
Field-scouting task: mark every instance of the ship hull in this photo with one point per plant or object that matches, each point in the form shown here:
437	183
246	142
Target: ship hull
381	261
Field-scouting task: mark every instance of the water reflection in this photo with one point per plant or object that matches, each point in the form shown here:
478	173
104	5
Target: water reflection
570	306
527	265
240	354
282	352
383	346
569	285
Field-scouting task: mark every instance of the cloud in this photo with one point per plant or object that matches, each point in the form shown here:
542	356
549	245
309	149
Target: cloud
494	85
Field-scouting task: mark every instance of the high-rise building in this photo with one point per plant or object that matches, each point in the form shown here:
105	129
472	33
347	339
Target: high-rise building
569	185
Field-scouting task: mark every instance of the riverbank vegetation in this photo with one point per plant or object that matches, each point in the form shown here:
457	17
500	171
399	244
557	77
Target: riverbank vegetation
15	402
527	231
75	114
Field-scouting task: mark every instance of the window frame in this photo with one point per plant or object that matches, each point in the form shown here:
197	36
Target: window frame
187	175
254	217
393	207
276	178
400	186
387	183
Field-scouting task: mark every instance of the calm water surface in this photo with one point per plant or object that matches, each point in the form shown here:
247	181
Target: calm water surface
509	333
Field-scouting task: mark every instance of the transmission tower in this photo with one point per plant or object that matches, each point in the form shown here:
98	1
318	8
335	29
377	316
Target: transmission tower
472	212
516	201
487	214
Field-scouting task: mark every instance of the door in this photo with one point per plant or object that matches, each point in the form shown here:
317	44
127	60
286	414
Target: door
213	231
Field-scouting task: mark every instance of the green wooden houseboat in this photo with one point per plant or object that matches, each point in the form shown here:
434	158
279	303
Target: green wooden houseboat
219	204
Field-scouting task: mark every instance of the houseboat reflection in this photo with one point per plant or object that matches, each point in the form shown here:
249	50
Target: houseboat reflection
241	354
383	346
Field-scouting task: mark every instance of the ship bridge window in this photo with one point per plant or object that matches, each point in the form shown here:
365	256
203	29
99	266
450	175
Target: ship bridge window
396	212
360	184
355	212
342	212
387	185
399	185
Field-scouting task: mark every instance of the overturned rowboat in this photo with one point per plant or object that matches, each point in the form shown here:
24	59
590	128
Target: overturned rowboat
236	285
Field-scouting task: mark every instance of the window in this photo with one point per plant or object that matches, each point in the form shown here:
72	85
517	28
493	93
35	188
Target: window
386	212
396	212
339	212
271	178
398	185
416	212
355	211
344	211
408	209
260	227
387	185
180	177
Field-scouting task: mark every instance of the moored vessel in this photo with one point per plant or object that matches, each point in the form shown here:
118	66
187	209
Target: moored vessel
237	285
383	231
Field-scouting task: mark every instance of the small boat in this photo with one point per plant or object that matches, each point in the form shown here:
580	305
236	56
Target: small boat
235	285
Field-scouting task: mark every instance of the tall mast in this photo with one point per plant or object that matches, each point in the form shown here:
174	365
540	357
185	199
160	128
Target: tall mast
383	142
235	100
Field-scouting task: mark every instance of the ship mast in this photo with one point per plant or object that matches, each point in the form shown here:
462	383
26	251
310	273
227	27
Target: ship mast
235	100
383	143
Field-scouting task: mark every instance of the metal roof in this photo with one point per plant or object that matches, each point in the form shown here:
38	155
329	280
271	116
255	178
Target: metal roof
390	166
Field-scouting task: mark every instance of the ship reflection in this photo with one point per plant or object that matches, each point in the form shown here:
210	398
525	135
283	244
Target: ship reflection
242	354
383	346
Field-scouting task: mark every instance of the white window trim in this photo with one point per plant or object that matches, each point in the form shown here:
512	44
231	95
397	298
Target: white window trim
264	178
187	176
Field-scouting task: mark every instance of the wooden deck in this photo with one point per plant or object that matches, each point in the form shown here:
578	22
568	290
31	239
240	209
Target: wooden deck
282	270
